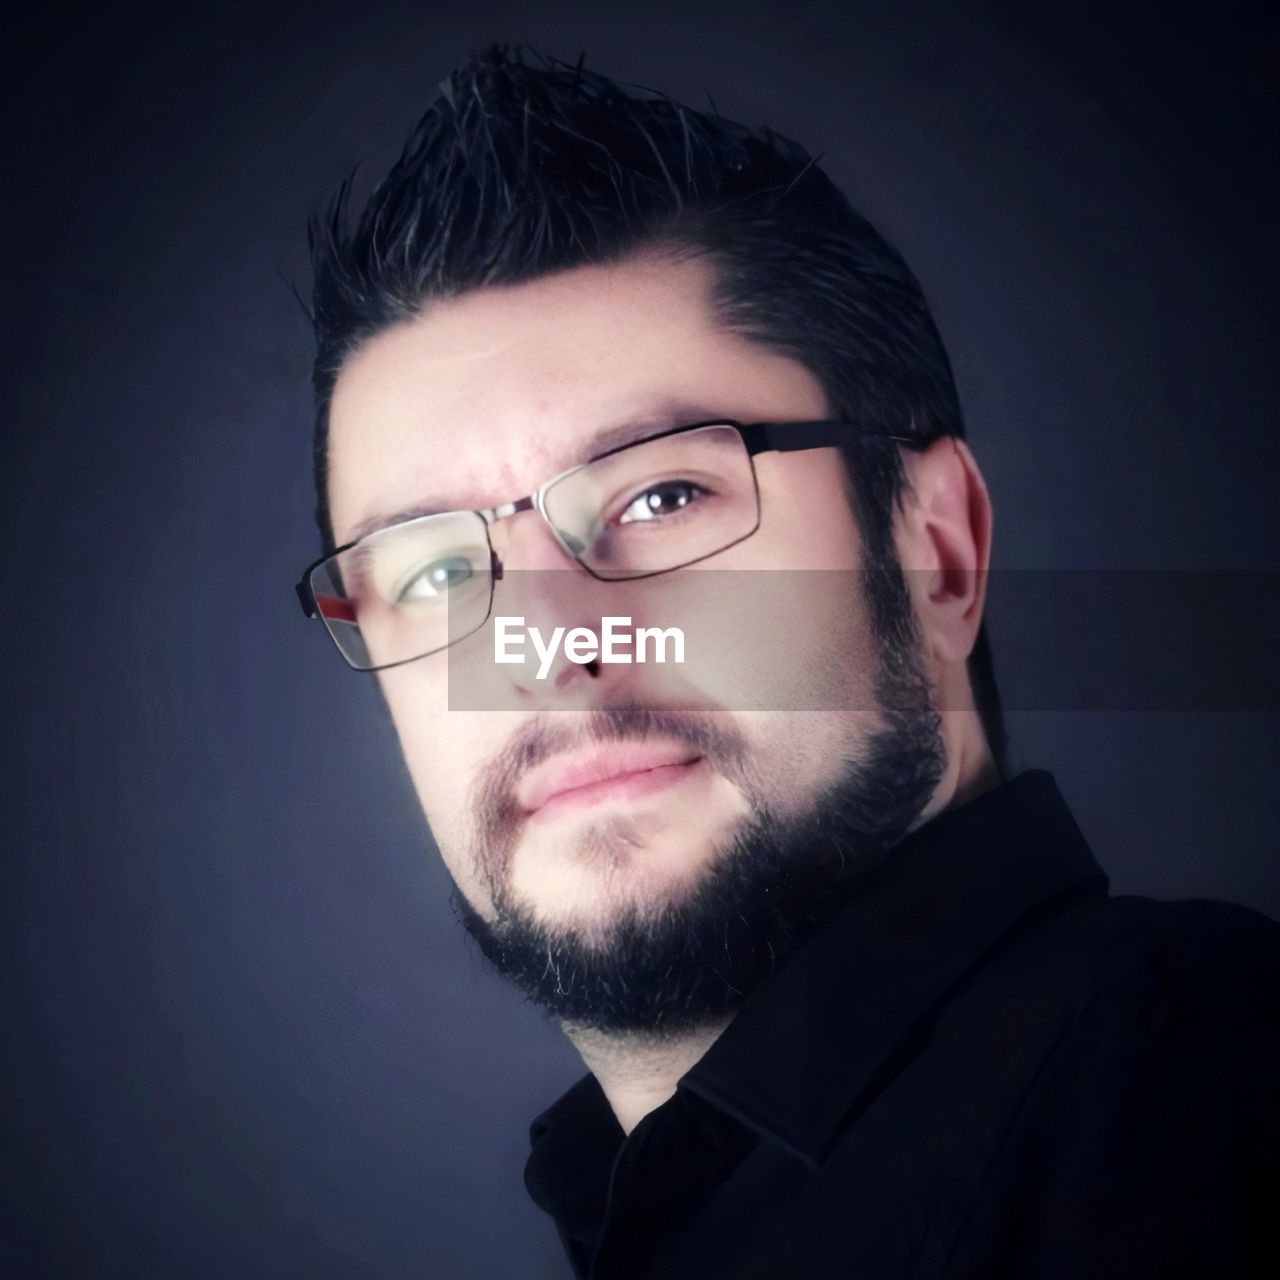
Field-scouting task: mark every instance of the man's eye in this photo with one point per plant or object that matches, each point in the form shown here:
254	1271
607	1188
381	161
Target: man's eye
661	500
437	578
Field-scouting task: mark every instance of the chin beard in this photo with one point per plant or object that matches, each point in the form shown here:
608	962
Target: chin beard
661	973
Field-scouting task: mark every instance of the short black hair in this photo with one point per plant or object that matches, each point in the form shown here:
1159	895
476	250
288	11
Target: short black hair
520	169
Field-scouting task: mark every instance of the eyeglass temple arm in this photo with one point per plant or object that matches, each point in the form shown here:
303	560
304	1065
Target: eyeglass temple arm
791	437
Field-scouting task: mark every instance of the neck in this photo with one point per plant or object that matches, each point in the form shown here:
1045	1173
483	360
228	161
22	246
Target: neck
639	1073
971	768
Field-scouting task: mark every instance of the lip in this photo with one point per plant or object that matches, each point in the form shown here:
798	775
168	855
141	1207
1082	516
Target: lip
615	770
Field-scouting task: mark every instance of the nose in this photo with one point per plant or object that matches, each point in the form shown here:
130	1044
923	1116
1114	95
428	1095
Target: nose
553	594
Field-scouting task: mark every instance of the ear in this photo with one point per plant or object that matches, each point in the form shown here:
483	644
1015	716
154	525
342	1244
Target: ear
943	535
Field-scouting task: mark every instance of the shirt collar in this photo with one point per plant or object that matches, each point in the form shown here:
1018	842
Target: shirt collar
811	1039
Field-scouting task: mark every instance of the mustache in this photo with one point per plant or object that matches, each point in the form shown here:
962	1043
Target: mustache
497	811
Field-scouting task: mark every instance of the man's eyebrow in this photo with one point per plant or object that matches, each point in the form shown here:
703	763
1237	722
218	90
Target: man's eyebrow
634	429
375	524
630	431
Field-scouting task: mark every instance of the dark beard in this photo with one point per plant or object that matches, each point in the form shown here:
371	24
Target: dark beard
778	880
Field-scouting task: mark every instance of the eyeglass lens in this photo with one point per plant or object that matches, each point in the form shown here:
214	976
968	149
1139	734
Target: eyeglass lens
416	588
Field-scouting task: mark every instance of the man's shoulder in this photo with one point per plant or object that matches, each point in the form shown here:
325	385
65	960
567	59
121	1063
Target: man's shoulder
1165	978
1129	978
1184	946
1139	1128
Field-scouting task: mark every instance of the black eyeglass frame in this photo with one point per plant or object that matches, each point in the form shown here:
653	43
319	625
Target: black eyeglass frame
757	437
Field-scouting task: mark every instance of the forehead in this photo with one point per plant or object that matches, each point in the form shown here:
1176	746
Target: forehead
481	398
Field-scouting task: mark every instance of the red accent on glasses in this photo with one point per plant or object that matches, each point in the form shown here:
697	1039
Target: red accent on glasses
336	607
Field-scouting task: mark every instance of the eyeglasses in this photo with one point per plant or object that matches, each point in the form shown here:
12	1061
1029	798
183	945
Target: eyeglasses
663	503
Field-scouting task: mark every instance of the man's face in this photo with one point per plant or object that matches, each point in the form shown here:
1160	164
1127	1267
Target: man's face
479	401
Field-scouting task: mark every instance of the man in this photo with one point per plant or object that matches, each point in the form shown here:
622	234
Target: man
853	1002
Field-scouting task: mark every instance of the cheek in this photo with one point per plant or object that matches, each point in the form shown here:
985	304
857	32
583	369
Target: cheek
793	618
805	518
441	749
444	752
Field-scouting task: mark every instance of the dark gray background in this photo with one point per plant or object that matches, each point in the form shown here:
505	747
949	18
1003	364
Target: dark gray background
246	1037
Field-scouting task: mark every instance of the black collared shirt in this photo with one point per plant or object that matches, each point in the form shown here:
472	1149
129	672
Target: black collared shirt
982	1066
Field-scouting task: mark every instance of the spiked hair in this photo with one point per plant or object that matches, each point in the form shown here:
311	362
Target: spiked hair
517	171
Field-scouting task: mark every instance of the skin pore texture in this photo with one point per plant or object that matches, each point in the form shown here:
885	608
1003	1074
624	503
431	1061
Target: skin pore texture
613	912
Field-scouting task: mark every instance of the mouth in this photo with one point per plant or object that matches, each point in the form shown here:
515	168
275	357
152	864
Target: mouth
620	772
